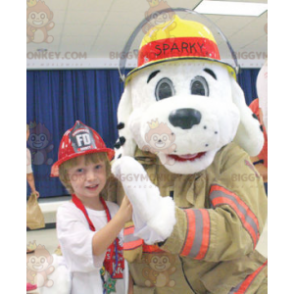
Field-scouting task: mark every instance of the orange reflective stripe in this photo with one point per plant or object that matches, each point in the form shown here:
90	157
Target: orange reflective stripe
129	230
220	201
198	233
130	241
151	248
249	212
133	244
191	229
242	287
221	196
205	234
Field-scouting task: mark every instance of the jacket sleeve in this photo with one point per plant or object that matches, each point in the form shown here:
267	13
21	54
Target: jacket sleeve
237	212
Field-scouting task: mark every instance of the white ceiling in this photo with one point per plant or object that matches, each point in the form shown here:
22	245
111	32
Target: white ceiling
99	29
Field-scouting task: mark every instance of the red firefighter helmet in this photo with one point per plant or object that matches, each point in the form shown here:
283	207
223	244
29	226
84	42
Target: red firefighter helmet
77	141
178	39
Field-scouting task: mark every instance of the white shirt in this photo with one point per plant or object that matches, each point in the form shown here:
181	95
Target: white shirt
29	162
75	239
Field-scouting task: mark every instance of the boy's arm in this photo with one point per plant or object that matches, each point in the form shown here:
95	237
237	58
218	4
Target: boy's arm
104	237
76	240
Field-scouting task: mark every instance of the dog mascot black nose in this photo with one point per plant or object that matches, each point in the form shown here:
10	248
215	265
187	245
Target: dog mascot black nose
185	118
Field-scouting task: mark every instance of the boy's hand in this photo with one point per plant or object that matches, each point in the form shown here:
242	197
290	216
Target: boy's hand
153	215
126	209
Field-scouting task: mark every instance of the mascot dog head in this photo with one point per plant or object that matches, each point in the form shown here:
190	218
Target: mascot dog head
182	83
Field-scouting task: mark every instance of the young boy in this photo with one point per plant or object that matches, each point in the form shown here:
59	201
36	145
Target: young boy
87	226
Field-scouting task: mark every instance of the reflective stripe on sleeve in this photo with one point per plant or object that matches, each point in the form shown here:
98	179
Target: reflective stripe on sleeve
198	233
130	241
244	285
151	248
221	196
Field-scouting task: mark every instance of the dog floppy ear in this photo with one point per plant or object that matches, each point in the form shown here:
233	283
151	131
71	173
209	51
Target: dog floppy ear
125	144
249	134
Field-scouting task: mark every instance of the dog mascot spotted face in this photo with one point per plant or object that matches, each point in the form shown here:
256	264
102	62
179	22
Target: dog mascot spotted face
199	101
211	224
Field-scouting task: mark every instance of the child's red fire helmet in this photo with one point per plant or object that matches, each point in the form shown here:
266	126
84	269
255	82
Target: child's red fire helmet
77	141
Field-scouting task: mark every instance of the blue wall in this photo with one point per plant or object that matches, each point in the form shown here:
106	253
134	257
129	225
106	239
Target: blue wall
57	98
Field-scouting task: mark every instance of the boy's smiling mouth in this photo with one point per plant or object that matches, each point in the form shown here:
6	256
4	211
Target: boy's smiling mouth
93	187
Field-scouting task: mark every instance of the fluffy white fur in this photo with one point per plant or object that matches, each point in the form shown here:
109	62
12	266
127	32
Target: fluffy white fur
153	215
224	118
225	115
261	87
249	135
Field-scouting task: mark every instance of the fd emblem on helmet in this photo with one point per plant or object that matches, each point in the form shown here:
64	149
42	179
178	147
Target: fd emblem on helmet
82	138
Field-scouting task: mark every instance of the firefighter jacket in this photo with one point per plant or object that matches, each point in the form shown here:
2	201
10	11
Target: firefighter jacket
220	214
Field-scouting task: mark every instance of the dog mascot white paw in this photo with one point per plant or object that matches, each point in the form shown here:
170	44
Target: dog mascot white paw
186	134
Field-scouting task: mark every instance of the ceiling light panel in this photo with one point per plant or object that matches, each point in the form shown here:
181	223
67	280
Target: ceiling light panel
231	8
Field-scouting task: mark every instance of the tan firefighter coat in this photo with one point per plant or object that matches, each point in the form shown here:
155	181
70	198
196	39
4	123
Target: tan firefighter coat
220	213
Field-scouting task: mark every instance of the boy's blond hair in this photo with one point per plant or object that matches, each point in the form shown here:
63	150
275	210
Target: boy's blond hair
89	158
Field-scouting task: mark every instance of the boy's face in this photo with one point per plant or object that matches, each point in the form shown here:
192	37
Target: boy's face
88	180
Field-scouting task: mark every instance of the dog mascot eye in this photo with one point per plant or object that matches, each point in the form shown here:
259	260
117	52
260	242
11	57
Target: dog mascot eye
199	86
164	89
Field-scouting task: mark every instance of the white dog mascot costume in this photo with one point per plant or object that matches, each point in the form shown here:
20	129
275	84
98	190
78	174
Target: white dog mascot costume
199	204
